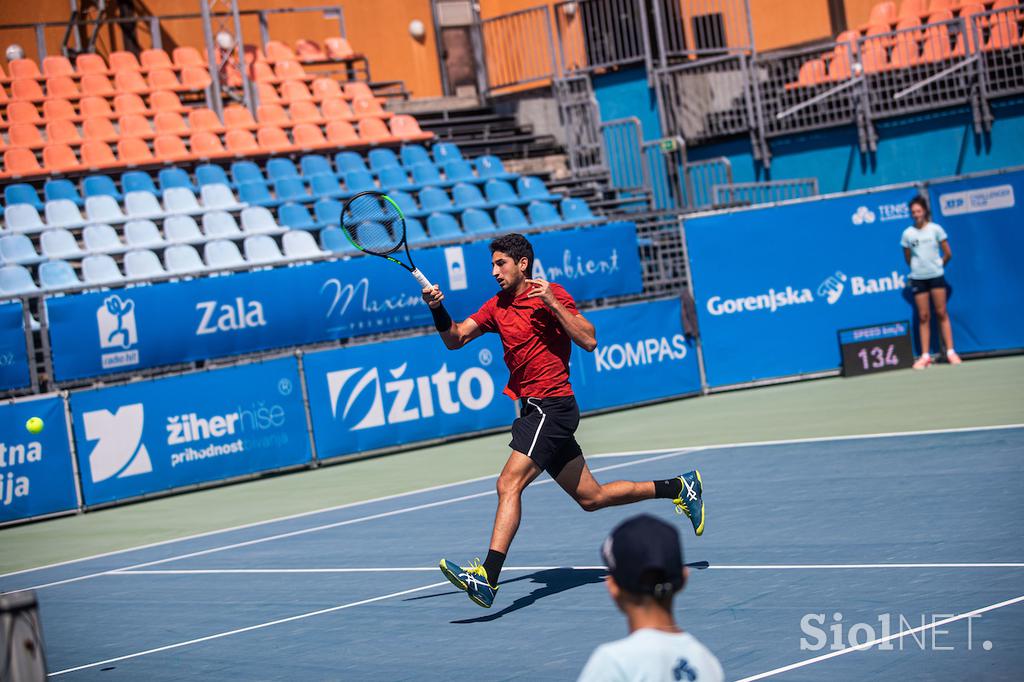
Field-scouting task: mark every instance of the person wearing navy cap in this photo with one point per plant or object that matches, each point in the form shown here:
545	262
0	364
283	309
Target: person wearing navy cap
644	558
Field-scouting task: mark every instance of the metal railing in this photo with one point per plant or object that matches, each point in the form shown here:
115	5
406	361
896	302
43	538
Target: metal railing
695	28
519	49
622	140
664	160
703	177
581	121
707	98
600	34
766	192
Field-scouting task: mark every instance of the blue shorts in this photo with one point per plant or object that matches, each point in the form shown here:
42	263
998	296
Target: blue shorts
923	286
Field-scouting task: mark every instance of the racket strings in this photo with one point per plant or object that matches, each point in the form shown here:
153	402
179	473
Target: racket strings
373	224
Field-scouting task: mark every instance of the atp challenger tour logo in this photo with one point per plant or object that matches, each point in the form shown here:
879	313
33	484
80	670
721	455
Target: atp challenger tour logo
830	290
407	398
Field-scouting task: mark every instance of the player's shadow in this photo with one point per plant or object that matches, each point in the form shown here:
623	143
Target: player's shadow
552	581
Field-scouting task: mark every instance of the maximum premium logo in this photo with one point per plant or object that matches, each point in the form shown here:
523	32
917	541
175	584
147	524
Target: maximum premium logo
115	321
119	451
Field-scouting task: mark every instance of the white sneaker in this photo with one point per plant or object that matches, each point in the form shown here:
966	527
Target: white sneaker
923	362
953	358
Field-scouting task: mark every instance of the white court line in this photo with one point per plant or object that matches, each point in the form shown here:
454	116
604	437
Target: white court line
881	640
314	529
680	450
410	569
250	628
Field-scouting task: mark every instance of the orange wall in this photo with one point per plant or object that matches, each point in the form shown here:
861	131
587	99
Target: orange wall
377	28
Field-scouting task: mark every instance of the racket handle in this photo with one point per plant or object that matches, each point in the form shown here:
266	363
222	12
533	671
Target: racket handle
424	282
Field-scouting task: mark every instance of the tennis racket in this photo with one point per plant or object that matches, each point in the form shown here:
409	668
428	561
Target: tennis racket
374	224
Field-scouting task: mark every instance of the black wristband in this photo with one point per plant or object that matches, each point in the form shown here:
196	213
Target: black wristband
442	320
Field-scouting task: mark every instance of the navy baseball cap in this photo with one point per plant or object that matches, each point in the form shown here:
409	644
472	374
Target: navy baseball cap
645	556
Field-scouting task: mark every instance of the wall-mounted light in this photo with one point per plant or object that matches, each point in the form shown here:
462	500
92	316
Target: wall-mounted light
14	51
225	41
417	30
569	9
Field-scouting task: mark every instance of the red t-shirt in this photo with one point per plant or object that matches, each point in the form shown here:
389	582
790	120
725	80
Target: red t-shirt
537	347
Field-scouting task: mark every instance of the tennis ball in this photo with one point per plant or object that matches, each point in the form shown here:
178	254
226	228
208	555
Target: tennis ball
34	425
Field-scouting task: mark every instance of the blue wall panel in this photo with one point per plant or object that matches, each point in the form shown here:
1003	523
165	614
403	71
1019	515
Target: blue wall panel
625	93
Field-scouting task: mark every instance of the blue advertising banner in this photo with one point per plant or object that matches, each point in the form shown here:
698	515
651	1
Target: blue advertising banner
126	329
983	219
383	394
14	372
158	435
774	285
36	471
641	355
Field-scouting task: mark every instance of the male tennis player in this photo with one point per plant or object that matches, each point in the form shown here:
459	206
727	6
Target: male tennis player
645	571
538	322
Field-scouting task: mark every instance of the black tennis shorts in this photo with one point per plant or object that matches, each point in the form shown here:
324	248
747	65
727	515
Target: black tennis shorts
920	286
545	430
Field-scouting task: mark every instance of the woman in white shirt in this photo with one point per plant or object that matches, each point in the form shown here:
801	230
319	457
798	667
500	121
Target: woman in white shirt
926	250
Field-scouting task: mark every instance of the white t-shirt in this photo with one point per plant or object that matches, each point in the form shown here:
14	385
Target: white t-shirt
650	655
925	250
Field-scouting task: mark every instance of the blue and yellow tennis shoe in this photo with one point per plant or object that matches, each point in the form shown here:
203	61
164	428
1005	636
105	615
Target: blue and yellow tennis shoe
690	501
472	580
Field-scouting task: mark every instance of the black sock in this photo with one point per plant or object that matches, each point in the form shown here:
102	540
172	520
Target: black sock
492	564
669	489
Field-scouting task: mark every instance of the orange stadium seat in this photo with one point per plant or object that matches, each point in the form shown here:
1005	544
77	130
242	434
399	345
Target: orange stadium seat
309	136
25	135
24	69
23	112
57	66
204	119
97	85
357	89
237	117
90	63
127	103
206	145
163	79
131	81
342	133
170	148
3	95
135	125
308	51
938	5
63	131
61	87
882	13
873	56
295	91
166	101
59	109
133	151
291	71
1003	33
170	123
241	142
60	158
375	131
97	154
273	114
338	48
3	75
839	67
906	50
327	88
19	161
153	59
123	61
913	8
99	128
263	72
278	52
25	90
812	72
267	93
305	112
368	108
273	139
407	129
195	78
188	56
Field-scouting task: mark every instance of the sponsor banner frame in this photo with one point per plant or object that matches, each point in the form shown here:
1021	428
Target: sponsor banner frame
15	371
188	430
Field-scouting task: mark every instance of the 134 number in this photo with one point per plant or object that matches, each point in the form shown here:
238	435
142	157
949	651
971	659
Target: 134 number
877	357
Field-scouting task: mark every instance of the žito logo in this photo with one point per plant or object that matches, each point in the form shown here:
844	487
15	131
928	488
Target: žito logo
119	451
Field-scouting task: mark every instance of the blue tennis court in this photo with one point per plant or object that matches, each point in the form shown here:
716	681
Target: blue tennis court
858	539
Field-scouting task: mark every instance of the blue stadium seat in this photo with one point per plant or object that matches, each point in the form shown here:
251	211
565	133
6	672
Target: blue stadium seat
183	258
460	171
101	239
142	264
212	174
138	181
291	189
543	214
446	151
15	280
222	253
103	209
328	212
315	164
141	205
325	186
476	221
396	177
97	185
491	167
256	193
405	202
531	188
259	220
59	243
57	274
18	249
22	218
347	162
333	239
468	196
500	192
220	225
427	174
219	197
434	199
443	226
296	217
100	269
142	234
63	213
280	168
175	177
54	189
299	244
414	232
413	154
359	181
182	228
510	218
577	211
22	193
261	248
246	171
382	158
